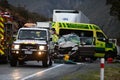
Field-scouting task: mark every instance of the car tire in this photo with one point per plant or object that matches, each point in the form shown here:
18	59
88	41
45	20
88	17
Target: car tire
13	61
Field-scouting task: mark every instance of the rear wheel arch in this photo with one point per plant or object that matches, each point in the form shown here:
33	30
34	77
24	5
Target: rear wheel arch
109	54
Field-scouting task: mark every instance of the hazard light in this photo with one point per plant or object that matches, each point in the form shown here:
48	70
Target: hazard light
44	24
15	46
29	25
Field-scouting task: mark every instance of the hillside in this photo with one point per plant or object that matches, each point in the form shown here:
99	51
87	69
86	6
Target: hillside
20	14
96	10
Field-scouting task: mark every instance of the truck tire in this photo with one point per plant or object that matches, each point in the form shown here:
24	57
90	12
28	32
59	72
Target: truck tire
50	62
94	58
47	61
21	62
109	54
3	59
13	61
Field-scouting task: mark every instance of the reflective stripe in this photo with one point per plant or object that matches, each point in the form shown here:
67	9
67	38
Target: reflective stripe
1	19
1	52
1	25
54	38
1	35
76	26
99	54
1	30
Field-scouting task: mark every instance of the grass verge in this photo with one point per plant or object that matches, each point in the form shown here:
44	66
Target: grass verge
112	72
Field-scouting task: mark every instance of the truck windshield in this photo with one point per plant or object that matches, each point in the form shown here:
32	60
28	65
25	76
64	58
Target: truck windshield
32	35
69	37
80	33
76	39
83	36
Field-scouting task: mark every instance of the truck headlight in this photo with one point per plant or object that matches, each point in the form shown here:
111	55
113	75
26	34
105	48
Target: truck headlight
17	47
41	47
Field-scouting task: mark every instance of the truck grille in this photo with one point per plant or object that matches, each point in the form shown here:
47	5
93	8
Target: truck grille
28	46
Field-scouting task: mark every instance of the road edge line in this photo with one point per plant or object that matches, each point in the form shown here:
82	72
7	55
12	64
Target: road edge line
32	75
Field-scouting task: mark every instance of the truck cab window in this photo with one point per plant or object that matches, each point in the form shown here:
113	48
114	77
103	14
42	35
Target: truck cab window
100	36
32	34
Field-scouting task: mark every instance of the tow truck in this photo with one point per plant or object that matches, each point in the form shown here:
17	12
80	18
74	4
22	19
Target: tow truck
32	44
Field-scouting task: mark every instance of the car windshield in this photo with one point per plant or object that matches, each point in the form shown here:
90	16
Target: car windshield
32	35
70	37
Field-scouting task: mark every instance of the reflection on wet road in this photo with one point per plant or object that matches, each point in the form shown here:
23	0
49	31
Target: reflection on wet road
16	73
33	71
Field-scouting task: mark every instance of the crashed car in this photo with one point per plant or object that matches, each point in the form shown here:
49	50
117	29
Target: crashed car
75	46
65	44
68	40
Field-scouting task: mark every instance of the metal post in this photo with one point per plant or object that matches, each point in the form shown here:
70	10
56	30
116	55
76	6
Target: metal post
102	69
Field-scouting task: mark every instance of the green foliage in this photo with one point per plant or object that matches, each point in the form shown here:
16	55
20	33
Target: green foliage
115	8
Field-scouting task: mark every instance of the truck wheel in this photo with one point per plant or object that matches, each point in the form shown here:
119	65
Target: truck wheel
3	59
108	55
13	62
21	62
50	62
94	58
47	61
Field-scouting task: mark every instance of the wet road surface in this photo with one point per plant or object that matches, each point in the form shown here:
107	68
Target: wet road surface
34	71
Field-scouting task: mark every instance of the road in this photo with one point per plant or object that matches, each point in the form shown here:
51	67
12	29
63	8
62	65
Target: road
34	71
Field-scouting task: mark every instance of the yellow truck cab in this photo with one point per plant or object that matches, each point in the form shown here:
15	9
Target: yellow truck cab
102	47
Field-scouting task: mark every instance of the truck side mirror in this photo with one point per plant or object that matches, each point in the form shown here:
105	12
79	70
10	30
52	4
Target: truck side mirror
50	39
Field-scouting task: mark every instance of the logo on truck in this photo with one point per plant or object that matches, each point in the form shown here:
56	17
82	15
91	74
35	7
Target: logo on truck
65	19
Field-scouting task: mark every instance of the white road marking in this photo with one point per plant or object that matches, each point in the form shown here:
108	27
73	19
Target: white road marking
80	63
30	76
